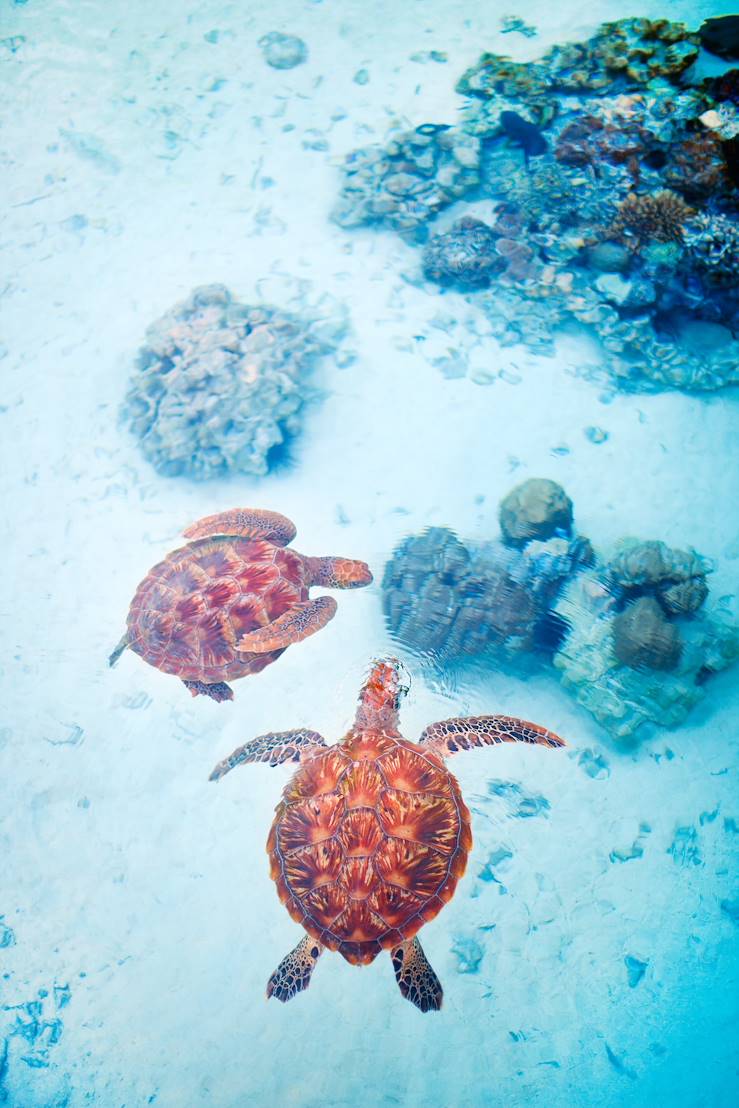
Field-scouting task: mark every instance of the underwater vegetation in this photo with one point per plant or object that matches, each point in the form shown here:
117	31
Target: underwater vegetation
372	834
232	600
625	220
219	384
628	636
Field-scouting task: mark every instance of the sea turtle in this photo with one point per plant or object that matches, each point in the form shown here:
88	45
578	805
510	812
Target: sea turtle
372	835
232	600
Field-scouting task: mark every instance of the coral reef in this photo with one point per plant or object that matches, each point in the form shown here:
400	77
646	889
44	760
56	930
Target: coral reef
630	51
464	255
536	509
696	166
219	384
650	218
409	180
630	637
723	120
496	75
630	702
446	598
626	222
588	140
713	245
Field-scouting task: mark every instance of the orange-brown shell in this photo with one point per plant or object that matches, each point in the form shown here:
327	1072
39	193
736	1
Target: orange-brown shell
191	609
368	844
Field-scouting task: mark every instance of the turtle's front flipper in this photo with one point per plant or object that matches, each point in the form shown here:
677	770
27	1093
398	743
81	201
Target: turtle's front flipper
118	650
249	523
275	748
452	735
218	690
416	979
295	624
294	972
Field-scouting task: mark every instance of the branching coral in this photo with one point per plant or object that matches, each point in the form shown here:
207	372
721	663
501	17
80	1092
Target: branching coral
657	217
219	384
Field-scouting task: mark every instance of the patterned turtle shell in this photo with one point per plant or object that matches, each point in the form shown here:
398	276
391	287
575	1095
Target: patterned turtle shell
230	602
369	843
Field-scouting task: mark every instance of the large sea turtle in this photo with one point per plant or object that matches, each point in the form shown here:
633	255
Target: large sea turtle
372	835
232	600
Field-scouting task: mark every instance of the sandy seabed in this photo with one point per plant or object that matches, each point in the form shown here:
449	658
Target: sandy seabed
137	894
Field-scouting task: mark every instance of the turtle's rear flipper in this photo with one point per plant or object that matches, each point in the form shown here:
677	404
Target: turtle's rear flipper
249	523
218	691
416	979
118	651
294	972
295	624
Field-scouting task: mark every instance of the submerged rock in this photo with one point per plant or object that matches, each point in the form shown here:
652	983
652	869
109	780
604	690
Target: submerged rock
283	51
536	509
608	257
642	636
675	578
721	35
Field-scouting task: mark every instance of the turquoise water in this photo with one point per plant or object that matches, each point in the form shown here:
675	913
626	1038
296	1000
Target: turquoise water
589	954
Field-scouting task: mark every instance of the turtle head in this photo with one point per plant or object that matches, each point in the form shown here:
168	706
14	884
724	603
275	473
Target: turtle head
338	573
383	691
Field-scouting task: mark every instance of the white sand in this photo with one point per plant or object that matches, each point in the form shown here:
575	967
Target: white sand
118	861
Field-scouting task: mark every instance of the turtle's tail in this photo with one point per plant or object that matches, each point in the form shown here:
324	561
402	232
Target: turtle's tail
118	651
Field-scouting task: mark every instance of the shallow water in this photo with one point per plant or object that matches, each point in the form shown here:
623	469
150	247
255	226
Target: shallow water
589	956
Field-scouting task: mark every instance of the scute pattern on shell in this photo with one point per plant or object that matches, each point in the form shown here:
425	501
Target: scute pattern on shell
192	608
368	844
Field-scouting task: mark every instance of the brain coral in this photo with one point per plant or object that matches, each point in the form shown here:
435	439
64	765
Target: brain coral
218	384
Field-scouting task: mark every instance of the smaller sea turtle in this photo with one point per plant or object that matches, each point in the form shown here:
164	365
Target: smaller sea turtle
372	835
232	600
